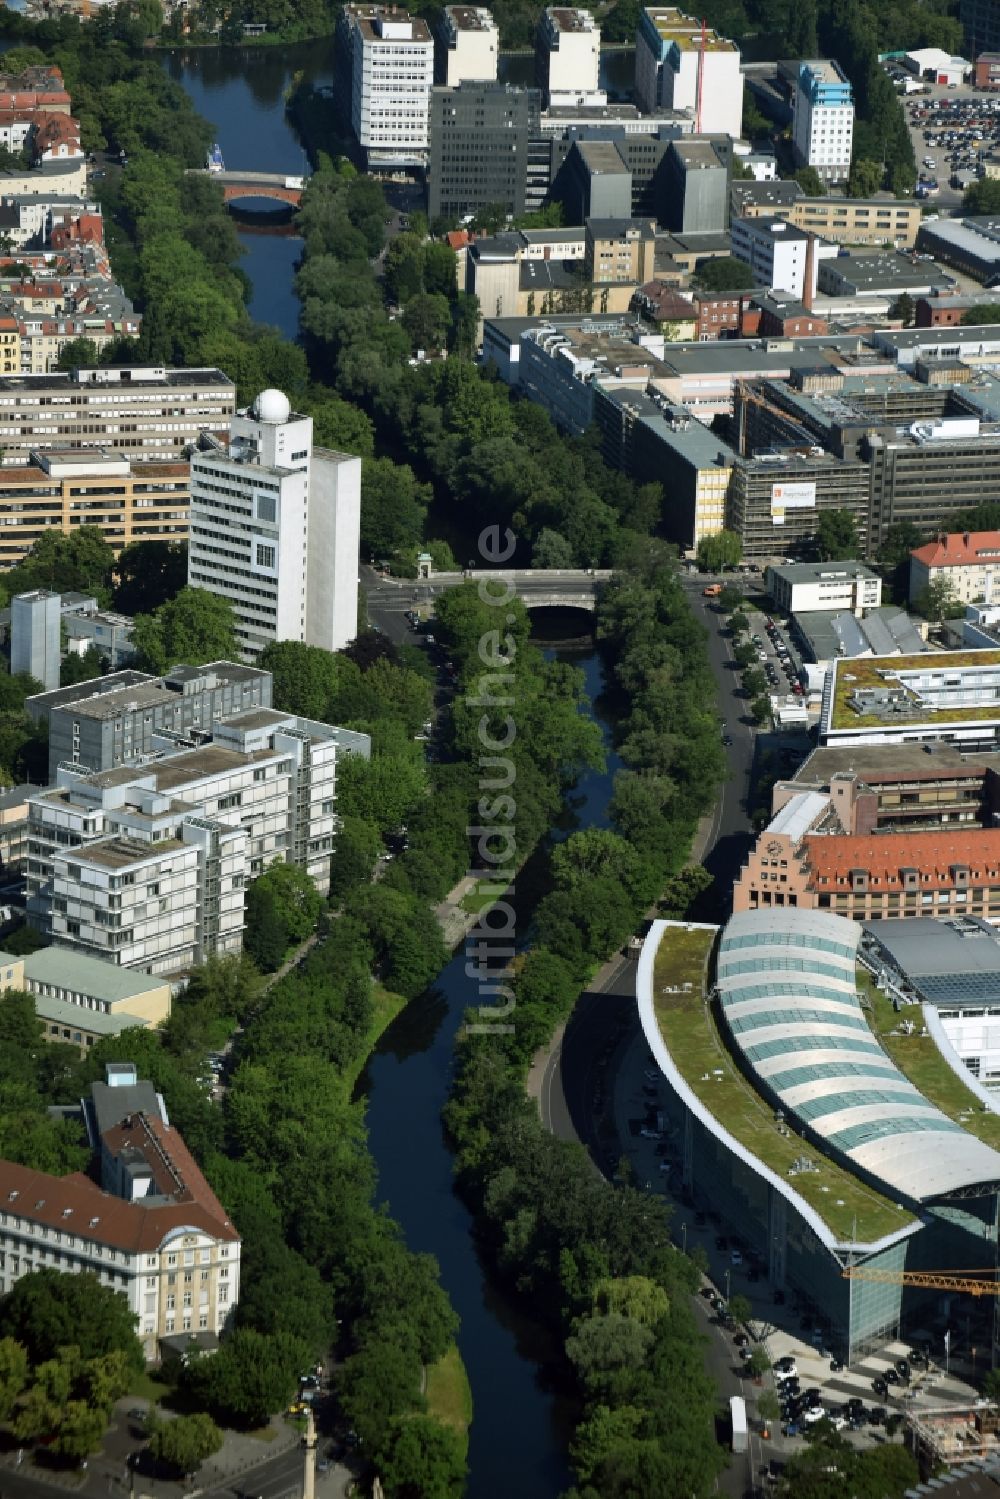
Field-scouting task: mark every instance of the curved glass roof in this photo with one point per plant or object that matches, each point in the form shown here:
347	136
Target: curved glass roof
808	1043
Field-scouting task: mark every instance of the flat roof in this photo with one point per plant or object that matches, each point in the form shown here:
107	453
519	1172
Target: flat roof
820	572
875	763
119	853
951	962
893	676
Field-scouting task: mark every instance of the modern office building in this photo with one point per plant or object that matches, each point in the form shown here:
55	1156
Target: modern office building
696	186
466	46
951	969
967	561
480	134
659	443
387	68
823	122
806	1133
803	587
146	865
127	499
568	58
275	529
149	1227
951	695
674	53
141	411
779	255
981	24
909	787
35	639
125	718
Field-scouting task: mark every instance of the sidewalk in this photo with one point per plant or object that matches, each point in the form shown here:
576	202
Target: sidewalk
454	920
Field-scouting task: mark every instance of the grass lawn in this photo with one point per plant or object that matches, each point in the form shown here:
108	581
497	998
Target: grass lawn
918	1057
855	674
700	1054
387	1007
449	1398
481	896
147	1387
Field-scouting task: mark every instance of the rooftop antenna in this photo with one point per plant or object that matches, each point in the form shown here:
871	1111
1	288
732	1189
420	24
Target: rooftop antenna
701	80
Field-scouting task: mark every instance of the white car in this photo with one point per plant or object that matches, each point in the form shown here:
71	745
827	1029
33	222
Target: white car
814	1413
786	1368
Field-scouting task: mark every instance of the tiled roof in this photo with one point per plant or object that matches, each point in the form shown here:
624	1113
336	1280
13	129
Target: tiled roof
74	1205
959	549
934	855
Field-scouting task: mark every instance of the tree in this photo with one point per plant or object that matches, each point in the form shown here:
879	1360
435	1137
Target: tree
836	535
440	270
339	425
758	1363
250	1378
75	668
724	273
378	1382
811	182
768	1407
865	179
418	1458
754	682
634	1296
283	906
904	309
149	574
731	598
939	601
47	1311
393	507
720	550
357	847
193	628
760	709
427	319
981	314
740	1308
13	1375
77	353
185	1442
982	197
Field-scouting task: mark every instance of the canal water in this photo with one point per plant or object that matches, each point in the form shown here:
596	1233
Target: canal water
521	1424
242	90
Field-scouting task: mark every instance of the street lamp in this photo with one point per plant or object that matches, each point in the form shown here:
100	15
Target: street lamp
728	1273
684	1242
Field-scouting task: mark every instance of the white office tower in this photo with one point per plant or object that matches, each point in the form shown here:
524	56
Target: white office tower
568	58
468	46
682	64
35	626
275	529
823	128
391	76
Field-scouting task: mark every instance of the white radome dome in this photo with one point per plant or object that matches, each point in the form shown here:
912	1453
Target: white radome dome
272	406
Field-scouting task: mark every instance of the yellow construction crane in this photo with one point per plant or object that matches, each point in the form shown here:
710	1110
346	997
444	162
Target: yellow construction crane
935	1280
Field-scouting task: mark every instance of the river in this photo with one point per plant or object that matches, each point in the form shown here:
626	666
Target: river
517	1443
242	91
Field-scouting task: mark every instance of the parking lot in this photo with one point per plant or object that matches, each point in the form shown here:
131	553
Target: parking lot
952	130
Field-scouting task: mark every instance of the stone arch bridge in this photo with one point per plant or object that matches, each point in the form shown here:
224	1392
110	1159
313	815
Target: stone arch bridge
273	185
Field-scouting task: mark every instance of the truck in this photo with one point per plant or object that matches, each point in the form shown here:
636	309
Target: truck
738	1414
712	591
